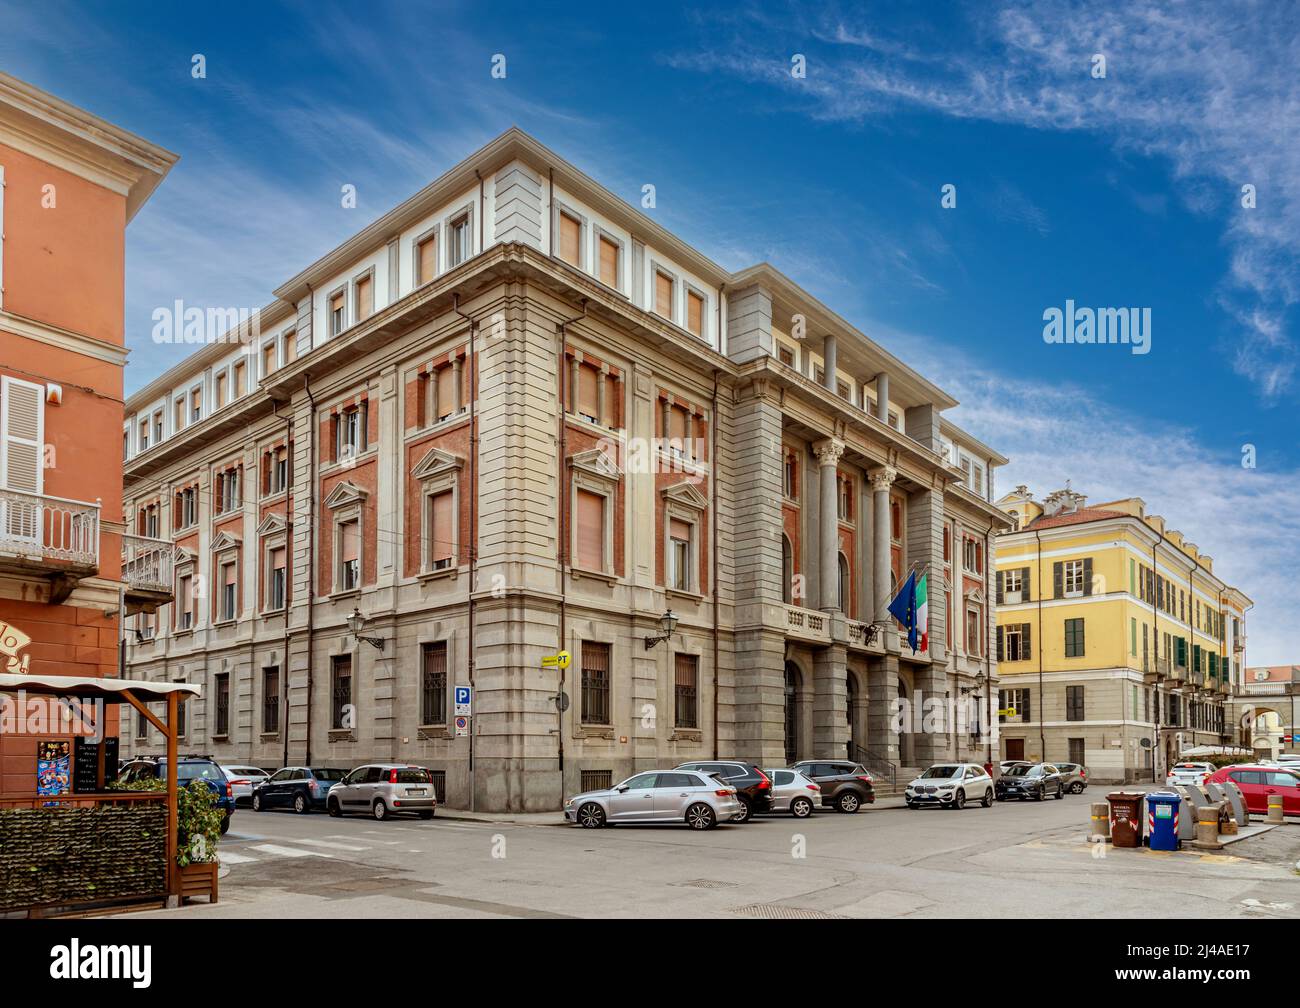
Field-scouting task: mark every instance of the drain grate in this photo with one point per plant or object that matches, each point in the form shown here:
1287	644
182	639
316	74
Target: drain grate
778	911
706	883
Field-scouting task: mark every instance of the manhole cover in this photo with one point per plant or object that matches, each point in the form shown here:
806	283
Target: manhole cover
776	911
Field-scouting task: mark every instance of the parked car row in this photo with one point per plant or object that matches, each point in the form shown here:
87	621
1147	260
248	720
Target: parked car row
954	785
188	770
1260	780
704	793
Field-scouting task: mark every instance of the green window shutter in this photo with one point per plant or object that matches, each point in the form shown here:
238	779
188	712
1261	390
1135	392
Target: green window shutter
1132	576
1057	576
1024	640
1087	575
1133	636
1024	585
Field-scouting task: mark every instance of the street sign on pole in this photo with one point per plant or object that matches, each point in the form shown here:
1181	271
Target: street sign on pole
464	699
462	726
560	660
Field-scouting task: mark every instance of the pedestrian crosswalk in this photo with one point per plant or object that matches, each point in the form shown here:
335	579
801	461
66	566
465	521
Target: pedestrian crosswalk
242	850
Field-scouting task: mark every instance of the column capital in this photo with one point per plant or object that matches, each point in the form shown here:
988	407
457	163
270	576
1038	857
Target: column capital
829	452
882	478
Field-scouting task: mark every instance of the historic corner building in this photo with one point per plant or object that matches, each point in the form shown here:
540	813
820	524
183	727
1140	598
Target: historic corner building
1118	646
513	416
69	185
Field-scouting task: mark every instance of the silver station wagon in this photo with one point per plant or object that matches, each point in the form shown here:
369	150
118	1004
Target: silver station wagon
692	797
383	790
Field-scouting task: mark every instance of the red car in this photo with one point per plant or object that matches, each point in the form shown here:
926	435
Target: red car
1258	782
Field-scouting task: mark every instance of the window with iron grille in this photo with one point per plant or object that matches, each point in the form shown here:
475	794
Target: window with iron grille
1076	750
222	690
141	726
270	699
595	682
439	785
1074	703
433	684
596	780
341	691
686	675
182	721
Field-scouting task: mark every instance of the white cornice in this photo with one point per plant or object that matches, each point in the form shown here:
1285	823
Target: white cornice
64	339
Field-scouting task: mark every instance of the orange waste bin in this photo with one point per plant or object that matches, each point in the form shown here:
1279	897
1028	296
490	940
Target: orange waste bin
1126	818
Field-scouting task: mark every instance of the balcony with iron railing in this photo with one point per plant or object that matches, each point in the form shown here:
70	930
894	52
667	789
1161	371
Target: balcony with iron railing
49	537
147	572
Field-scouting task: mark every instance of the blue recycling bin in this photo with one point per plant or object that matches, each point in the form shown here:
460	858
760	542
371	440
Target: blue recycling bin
1162	820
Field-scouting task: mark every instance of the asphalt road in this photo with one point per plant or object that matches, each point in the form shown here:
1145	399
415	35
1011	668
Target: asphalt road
1013	860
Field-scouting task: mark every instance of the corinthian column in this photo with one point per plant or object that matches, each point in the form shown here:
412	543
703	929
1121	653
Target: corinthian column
828	459
881	480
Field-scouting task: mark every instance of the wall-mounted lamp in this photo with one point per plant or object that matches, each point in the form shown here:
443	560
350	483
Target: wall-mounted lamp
667	623
355	622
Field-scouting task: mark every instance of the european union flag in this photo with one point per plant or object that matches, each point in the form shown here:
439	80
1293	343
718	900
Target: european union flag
903	609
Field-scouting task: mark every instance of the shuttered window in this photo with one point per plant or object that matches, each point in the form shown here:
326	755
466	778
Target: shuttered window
679	555
268	358
240	385
588	396
442	532
590	531
664	295
338	313
446	399
695	313
608	262
276	581
570	238
349	555
426	260
365	295
21	420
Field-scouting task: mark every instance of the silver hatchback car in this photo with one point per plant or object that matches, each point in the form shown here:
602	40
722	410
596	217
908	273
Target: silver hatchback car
794	793
382	790
660	796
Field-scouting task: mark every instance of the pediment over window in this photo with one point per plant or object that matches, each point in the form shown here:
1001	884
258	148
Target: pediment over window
597	462
975	595
687	494
274	522
436	463
225	541
345	493
182	556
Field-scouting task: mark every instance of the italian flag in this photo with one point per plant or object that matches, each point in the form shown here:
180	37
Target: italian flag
923	613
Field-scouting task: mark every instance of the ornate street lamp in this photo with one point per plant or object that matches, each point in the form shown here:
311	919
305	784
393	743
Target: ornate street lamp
355	622
667	623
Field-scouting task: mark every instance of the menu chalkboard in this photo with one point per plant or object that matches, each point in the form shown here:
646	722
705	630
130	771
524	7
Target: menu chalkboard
85	763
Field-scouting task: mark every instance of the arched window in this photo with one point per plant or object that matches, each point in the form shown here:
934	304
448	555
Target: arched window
845	593
787	570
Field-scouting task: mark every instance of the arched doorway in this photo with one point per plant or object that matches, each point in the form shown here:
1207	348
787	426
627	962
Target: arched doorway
905	736
851	714
792	684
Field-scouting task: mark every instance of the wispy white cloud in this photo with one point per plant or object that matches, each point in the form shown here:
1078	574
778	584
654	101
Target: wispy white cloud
1209	88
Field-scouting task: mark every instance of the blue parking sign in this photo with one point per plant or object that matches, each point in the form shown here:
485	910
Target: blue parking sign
463	697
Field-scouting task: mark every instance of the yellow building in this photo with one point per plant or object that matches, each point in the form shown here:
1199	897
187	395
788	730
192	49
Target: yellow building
1117	645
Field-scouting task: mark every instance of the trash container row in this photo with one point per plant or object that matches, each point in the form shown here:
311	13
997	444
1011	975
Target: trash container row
1162	819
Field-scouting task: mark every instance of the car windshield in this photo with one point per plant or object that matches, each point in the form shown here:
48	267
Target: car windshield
412	775
195	771
940	772
328	773
1019	771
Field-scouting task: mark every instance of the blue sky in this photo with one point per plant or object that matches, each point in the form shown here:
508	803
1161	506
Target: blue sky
1115	192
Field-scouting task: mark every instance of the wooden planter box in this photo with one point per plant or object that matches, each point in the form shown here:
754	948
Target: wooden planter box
199	880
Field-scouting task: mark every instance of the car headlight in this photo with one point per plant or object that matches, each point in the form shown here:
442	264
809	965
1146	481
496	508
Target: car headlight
568	803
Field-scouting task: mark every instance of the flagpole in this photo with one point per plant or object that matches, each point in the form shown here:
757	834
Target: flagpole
910	571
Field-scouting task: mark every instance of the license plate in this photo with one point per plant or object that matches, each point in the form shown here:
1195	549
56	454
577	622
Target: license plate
415	790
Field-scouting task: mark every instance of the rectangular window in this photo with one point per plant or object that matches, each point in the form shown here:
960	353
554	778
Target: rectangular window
341	713
240	386
268	358
221	687
275	582
1074	638
1076	750
570	239
595	683
426	260
196	405
441	530
446	395
1074	577
157	426
178	415
1074	703
338	312
609	255
974	634
229	588
349	555
686	674
679	555
351	434
791	477
785	355
695	313
289	347
590	530
270	700
185	604
433	683
844	502
664	295
220	394
459	250
1016	701
588	393
364	297
144	434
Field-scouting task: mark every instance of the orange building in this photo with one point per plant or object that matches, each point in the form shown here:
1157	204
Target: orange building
69	184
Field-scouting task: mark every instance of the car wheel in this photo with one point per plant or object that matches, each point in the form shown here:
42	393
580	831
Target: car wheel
257	803
591	816
1076	787
225	825
700	816
911	804
987	800
426	815
300	804
1038	795
1060	792
333	808
848	802
959	801
743	815
801	808
380	809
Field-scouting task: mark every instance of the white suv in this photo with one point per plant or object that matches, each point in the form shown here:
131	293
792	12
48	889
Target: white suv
950	785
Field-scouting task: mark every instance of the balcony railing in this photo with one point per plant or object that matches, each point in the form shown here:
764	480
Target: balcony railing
37	528
808	623
147	563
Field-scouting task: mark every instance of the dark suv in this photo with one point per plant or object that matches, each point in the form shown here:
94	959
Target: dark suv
1036	781
753	787
188	770
845	786
299	788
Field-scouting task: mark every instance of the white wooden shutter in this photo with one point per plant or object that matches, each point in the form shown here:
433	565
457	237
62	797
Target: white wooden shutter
22	416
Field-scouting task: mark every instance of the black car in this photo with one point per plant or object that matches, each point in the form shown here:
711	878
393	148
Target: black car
753	787
846	785
1034	780
299	788
188	770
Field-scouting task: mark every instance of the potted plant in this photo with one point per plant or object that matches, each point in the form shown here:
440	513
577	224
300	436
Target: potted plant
199	829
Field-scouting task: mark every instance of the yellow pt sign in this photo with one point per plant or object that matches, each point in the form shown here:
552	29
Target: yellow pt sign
560	660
